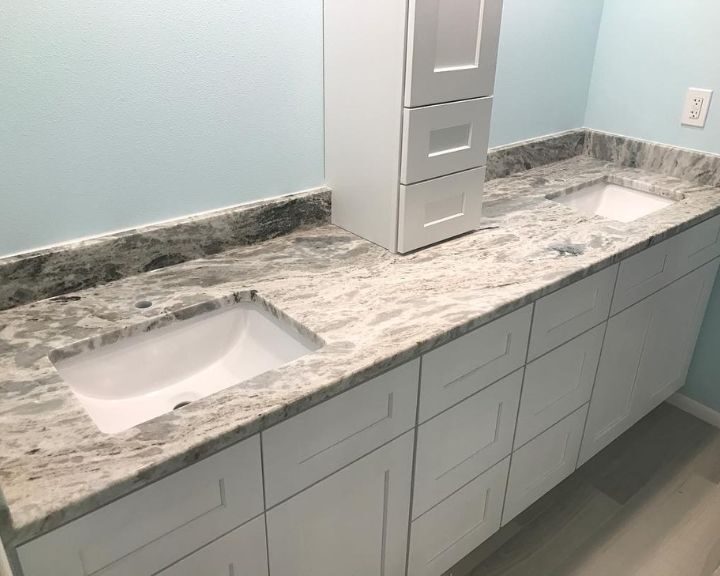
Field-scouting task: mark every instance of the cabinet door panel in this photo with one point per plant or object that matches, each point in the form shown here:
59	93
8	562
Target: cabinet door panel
543	463
452	50
354	522
613	398
458	445
679	310
558	383
451	530
647	351
242	552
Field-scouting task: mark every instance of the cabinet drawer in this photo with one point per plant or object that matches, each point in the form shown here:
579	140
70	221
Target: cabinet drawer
570	311
438	209
455	527
558	384
699	245
543	463
473	362
443	139
452	50
316	443
354	522
155	526
243	552
645	273
461	443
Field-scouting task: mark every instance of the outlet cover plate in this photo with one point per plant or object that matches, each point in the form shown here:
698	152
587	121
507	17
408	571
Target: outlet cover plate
697	104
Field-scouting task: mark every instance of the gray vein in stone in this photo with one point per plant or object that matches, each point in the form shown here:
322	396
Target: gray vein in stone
374	310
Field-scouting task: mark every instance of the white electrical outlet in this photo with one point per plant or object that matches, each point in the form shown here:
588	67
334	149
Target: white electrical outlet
697	103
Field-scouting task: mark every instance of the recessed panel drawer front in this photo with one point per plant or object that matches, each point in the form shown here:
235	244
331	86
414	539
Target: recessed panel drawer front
438	209
571	311
452	50
243	552
455	527
461	443
473	362
699	245
157	525
542	464
558	383
316	443
444	139
646	273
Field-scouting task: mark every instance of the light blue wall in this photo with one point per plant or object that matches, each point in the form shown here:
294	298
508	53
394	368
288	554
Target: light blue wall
649	52
703	383
120	113
545	63
117	113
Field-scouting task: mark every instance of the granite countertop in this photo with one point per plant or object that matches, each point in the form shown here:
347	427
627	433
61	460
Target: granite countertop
373	309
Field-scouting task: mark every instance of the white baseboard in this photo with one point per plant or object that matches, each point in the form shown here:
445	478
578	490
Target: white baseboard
695	408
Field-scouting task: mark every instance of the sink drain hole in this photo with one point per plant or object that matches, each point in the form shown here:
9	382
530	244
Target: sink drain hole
181	404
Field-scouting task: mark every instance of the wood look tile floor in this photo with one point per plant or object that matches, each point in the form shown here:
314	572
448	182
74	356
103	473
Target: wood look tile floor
648	505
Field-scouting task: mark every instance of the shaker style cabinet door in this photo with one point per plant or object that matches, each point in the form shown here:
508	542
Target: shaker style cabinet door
452	50
354	522
646	355
543	463
456	526
614	396
242	552
680	309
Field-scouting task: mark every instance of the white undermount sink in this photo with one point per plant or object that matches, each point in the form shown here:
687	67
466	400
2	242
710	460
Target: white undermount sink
613	201
153	371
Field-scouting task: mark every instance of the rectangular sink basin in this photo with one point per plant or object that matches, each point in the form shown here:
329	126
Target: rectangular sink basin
144	372
613	201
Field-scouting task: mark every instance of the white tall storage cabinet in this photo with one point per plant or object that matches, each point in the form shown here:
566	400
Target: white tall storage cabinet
408	100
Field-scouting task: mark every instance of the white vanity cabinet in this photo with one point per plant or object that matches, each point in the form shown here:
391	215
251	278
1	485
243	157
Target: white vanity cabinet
407	473
408	99
647	352
451	50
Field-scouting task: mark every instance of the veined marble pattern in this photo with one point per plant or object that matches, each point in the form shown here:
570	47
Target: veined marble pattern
374	310
521	156
79	265
54	271
690	165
